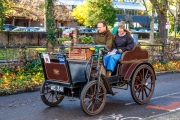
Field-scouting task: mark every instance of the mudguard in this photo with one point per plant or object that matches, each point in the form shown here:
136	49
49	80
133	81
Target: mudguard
127	69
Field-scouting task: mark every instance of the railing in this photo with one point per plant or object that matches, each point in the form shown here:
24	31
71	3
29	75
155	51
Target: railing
161	52
164	52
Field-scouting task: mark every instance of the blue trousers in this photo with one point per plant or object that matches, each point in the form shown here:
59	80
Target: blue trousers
110	61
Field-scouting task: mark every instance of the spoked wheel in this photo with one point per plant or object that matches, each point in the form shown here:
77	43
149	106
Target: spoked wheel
92	101
49	97
142	84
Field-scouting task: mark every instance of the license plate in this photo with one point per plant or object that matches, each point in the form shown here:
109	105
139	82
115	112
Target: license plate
57	88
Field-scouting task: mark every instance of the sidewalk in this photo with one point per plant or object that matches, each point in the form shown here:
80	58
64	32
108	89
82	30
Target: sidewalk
174	115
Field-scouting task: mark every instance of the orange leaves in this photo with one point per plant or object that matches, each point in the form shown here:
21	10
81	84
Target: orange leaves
158	66
20	79
171	65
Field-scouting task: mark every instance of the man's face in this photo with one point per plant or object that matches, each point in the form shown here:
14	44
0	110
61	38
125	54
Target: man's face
101	27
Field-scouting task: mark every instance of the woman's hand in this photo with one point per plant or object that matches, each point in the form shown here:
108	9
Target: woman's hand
120	50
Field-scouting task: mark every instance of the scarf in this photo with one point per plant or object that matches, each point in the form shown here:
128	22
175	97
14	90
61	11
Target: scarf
122	34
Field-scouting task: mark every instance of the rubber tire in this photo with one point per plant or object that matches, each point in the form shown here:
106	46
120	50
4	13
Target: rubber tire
83	95
45	100
132	85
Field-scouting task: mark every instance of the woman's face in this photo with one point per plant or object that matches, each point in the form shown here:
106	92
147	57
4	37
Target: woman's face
120	31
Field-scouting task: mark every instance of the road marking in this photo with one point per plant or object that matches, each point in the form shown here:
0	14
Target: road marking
158	115
156	97
118	117
174	110
173	106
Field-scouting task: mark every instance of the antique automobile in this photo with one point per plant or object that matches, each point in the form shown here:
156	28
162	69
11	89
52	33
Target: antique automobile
84	79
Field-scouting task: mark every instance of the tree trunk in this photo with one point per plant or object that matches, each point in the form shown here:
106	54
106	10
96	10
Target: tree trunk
161	9
50	47
178	13
152	34
152	27
162	18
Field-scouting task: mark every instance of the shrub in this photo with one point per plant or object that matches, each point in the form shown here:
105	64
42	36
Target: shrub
86	40
64	38
171	65
21	77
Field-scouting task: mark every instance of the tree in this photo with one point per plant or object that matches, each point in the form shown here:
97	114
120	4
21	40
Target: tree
96	10
80	12
4	11
51	37
161	7
177	18
34	10
150	11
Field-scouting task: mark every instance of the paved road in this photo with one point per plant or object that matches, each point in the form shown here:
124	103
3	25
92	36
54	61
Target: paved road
28	106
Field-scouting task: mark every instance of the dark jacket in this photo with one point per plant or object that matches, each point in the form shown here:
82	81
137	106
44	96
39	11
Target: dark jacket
124	43
105	38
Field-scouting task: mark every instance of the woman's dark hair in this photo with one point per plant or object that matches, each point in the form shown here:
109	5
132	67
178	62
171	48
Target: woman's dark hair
103	22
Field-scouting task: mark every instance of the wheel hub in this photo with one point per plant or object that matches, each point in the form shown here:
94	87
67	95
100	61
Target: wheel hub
144	83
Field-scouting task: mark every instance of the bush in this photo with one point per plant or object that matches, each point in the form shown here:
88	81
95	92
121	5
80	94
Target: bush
31	75
171	65
64	38
86	40
20	77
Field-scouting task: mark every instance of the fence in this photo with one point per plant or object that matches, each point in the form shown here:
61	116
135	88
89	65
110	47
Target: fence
15	45
39	38
29	38
164	52
161	52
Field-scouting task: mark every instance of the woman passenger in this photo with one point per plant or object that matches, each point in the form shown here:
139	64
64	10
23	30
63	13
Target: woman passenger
123	41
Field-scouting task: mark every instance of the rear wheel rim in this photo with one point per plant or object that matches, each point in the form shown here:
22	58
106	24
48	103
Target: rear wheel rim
49	97
143	84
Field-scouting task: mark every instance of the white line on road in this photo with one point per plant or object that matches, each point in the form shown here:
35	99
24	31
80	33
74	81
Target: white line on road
174	110
156	97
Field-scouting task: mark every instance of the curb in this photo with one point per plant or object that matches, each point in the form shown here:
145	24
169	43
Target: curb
18	91
37	88
167	72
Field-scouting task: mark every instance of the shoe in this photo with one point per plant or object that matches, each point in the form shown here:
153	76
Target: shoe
108	73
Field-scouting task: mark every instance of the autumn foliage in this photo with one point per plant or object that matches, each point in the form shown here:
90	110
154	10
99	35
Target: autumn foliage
171	65
31	75
25	77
